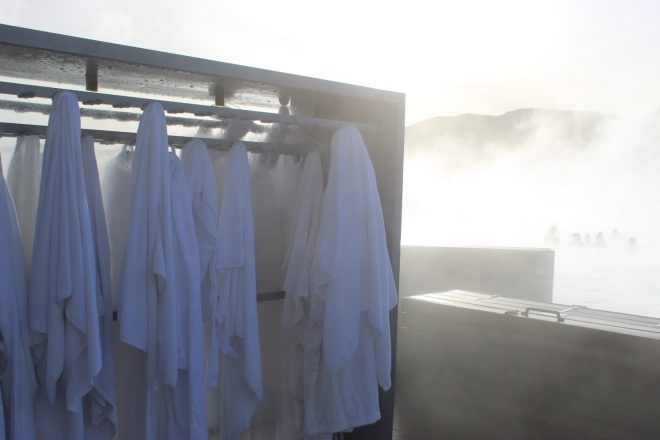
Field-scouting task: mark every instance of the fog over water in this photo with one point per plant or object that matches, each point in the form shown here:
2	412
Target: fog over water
505	180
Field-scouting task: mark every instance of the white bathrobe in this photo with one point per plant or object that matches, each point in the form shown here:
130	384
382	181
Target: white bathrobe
63	307
158	296
17	382
303	242
234	365
268	221
102	413
348	352
201	178
23	176
116	189
297	267
188	397
287	175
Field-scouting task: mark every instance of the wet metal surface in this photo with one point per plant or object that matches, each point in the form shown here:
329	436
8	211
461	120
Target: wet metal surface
38	56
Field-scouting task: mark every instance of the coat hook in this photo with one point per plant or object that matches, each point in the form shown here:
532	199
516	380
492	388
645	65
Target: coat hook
92	76
26	95
219	94
285	99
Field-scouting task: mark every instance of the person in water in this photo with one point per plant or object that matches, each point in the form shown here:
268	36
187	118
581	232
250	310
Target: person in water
551	237
577	239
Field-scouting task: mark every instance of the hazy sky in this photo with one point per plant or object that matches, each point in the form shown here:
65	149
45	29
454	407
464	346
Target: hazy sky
476	56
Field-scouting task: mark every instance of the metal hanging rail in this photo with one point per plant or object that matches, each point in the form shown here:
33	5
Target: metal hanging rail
121	137
103	113
261	297
120	101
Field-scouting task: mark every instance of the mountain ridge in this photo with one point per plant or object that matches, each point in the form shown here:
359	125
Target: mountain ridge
510	128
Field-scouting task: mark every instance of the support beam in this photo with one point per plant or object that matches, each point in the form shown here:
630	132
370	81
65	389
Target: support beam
121	137
119	101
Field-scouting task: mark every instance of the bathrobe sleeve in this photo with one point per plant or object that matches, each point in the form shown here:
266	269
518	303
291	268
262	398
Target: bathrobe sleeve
103	419
189	393
303	240
201	179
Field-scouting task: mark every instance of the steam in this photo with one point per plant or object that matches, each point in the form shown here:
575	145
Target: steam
504	181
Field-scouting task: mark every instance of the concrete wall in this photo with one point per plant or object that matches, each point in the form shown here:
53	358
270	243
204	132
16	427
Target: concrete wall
516	272
468	374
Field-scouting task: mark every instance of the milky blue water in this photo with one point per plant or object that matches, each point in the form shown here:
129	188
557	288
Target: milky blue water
614	278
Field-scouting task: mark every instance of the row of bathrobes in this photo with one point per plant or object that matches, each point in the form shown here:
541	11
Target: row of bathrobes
185	291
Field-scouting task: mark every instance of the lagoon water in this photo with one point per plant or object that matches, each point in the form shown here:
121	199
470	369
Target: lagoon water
615	278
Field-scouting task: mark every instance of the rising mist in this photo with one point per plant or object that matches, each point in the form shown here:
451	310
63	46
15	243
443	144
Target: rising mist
505	180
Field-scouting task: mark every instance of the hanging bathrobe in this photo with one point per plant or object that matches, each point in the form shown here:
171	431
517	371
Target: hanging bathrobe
234	365
301	247
268	221
201	180
17	381
286	177
102	413
158	297
116	189
188	397
63	307
23	178
348	351
295	317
